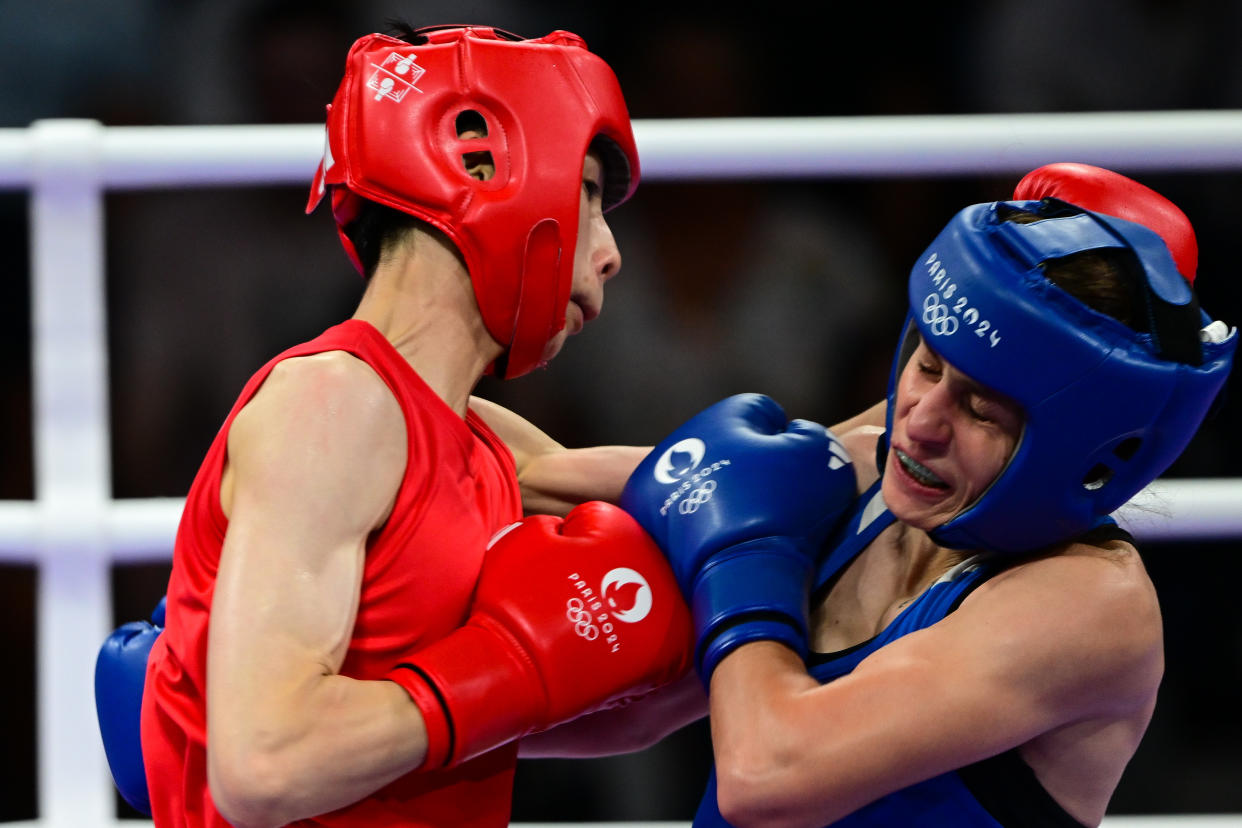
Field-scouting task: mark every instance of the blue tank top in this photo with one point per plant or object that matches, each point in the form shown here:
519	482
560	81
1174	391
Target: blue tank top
999	792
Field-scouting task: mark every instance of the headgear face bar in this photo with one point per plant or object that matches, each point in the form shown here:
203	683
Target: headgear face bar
393	138
1107	409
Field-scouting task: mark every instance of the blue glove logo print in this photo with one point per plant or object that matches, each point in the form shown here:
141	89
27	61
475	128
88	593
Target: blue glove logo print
691	503
624	587
839	458
679	460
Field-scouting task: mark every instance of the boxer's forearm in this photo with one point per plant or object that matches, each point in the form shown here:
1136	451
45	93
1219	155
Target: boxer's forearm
635	727
338	741
556	482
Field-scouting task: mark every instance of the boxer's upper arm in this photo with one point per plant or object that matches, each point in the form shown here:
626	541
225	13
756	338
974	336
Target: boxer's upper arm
860	444
524	439
873	416
316	458
554	478
1059	641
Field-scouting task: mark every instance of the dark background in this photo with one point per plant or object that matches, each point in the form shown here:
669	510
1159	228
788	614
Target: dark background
792	288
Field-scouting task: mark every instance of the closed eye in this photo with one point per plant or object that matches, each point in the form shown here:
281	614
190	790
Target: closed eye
978	415
990	411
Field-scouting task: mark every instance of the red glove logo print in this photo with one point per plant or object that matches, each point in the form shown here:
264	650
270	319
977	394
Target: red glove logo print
627	594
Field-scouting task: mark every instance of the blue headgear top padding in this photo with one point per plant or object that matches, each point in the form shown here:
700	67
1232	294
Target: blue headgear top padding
1106	408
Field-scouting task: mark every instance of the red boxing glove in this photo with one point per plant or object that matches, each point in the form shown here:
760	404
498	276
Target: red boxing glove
569	617
1104	191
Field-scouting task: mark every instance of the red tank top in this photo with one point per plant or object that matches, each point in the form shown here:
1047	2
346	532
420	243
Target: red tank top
460	488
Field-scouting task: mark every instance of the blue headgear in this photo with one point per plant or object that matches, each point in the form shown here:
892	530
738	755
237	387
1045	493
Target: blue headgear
1106	408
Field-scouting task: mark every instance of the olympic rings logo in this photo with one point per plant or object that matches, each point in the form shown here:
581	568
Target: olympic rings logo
937	317
577	613
691	502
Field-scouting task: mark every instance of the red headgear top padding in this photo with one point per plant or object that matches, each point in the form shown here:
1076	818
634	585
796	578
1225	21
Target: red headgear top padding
393	138
1104	191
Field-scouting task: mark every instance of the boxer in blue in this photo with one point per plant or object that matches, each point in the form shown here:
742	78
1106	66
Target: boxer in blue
957	634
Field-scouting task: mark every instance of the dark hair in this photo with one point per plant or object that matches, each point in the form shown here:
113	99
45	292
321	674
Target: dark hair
1113	282
403	30
1100	280
377	228
1103	280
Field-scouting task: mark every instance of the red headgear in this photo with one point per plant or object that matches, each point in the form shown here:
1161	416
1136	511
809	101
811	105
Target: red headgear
392	138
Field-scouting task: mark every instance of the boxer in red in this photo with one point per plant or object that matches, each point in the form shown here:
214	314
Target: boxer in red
345	645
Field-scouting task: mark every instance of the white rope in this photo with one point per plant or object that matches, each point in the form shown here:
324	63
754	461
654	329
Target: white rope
143	530
150	157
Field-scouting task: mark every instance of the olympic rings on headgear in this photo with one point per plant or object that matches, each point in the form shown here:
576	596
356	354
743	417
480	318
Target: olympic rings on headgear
937	318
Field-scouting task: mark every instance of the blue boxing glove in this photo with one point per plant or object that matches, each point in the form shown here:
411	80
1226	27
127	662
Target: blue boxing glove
120	673
740	499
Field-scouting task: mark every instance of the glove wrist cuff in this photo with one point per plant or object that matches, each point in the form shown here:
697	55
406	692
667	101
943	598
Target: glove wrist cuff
441	737
751	592
473	692
746	631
